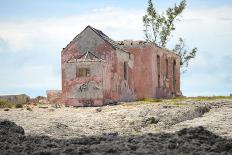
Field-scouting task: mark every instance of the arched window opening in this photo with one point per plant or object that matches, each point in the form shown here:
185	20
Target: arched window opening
174	76
125	66
158	70
167	68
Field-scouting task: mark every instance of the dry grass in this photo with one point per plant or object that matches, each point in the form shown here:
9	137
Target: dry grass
143	101
202	98
151	100
207	98
178	101
173	102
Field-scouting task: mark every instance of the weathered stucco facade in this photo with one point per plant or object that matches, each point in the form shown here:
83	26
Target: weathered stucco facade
97	70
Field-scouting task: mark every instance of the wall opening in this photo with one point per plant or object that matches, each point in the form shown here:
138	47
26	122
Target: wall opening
174	76
158	70
125	66
167	68
83	72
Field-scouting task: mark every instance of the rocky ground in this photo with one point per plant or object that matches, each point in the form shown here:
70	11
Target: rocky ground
168	127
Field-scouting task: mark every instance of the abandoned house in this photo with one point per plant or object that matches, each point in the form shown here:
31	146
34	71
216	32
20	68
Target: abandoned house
97	70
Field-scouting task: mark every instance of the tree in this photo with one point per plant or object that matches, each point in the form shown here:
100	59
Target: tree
185	55
158	28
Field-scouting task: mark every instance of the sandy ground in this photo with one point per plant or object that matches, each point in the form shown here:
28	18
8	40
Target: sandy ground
218	120
139	121
127	118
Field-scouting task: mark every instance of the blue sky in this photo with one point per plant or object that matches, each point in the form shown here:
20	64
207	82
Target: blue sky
32	34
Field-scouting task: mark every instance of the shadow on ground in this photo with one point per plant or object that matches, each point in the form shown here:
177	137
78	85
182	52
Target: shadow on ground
187	141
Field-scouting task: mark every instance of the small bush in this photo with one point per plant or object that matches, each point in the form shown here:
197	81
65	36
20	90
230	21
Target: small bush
151	120
29	109
98	109
5	104
18	105
43	107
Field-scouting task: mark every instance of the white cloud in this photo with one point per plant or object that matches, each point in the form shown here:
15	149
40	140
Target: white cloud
25	34
116	22
207	28
29	77
208	14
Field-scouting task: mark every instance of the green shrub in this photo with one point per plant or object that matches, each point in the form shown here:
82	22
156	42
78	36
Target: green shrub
5	104
18	105
29	109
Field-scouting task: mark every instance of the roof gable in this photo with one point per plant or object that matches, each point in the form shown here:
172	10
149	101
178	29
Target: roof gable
105	37
100	34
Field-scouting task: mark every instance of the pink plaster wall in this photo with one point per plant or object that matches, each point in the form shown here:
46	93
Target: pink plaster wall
144	74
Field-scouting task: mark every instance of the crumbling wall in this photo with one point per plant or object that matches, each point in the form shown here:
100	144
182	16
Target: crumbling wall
143	79
78	90
113	87
87	40
87	87
54	96
16	99
169	75
124	90
108	81
145	71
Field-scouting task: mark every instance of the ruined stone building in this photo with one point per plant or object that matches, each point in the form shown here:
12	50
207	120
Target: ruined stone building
97	70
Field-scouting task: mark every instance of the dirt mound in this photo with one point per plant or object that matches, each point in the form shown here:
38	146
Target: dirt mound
187	141
8	128
10	136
